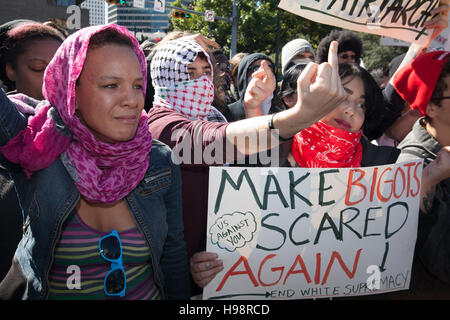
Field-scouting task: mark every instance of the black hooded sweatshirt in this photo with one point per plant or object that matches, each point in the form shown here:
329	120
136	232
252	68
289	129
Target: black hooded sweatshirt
237	111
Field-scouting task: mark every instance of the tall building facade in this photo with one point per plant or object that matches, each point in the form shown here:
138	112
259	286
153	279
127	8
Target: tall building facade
42	10
139	20
97	11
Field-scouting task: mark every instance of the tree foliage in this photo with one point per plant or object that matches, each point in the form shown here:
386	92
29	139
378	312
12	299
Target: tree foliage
257	29
376	56
257	25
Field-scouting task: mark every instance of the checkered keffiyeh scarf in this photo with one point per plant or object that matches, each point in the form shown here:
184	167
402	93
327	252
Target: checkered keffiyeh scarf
170	78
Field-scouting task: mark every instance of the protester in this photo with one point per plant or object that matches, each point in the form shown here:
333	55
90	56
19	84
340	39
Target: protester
224	74
405	117
182	73
26	50
344	123
248	65
373	104
97	191
337	140
295	51
234	62
425	85
26	47
350	46
181	133
205	265
288	86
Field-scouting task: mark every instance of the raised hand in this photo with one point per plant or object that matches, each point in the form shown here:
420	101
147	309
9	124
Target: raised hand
259	88
319	91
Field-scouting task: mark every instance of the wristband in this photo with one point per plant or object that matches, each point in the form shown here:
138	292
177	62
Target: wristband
270	123
271	127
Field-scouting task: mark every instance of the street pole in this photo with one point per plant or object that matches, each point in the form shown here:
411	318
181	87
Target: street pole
277	55
234	25
233	20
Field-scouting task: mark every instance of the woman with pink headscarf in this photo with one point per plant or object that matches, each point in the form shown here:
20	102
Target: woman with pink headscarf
100	199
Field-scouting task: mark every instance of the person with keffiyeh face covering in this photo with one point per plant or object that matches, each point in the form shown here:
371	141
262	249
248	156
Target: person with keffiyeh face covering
182	74
96	191
180	123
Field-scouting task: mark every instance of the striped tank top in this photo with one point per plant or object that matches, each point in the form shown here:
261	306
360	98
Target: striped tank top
78	269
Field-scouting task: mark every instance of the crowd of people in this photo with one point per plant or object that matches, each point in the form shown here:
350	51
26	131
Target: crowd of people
89	122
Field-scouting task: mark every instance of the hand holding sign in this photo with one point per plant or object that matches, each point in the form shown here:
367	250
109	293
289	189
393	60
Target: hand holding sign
439	22
204	267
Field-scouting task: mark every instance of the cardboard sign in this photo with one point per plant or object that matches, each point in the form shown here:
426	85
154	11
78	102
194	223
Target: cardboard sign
297	233
439	43
400	19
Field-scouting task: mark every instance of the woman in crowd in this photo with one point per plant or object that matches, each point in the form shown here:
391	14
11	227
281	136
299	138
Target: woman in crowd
337	140
99	196
425	85
25	52
26	48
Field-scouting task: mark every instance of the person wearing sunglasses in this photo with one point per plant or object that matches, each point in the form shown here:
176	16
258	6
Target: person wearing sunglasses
350	46
425	84
101	199
262	94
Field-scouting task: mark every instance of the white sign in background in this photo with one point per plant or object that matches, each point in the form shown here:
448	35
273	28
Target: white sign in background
139	4
439	43
297	233
209	15
159	5
394	18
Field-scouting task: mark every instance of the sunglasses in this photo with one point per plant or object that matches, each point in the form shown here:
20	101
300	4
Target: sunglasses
110	248
348	56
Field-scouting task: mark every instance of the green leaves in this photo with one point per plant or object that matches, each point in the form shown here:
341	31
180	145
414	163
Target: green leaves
257	25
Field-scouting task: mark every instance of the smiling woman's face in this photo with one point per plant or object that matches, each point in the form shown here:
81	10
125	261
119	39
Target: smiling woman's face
28	73
349	115
109	97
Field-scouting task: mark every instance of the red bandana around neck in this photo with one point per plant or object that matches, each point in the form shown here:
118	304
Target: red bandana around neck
324	146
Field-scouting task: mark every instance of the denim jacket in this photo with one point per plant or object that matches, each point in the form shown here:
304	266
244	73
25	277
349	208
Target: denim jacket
48	198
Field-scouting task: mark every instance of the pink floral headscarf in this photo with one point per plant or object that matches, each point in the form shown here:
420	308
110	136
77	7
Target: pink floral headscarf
55	130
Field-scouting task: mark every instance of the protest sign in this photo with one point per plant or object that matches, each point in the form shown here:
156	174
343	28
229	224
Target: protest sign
400	19
439	43
298	233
